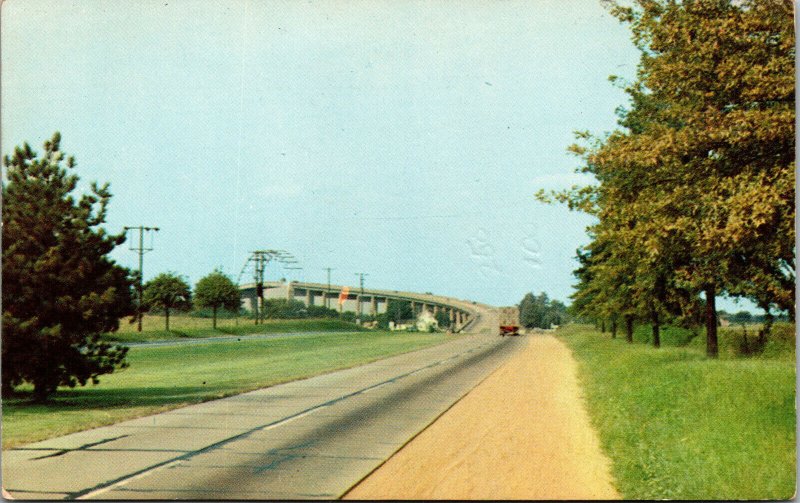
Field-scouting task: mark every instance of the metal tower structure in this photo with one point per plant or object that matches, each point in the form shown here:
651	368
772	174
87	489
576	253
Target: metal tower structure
257	261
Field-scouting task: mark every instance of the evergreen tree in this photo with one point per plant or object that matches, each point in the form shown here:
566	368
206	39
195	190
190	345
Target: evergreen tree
60	289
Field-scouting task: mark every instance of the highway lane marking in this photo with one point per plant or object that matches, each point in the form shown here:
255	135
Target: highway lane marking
109	485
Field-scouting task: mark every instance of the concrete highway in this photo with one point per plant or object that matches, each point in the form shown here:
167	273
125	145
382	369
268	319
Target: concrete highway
312	438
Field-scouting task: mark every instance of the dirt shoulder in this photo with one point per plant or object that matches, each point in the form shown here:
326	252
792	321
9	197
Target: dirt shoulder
523	433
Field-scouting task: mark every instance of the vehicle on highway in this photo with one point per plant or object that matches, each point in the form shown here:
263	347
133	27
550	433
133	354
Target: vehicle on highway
509	321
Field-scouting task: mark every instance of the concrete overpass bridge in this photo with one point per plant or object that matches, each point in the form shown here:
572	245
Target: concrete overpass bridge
370	301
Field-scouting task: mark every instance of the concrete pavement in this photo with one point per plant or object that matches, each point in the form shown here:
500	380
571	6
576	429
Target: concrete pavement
312	438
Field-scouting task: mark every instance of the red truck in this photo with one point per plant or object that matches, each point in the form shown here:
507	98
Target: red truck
509	321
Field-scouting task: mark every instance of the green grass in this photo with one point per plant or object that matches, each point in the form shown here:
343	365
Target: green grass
189	326
780	343
161	378
678	425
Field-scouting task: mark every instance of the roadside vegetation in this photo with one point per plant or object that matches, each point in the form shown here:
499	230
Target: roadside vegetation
695	189
678	425
60	289
167	377
539	311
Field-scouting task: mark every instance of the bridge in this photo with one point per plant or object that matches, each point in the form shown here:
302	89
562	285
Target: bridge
367	301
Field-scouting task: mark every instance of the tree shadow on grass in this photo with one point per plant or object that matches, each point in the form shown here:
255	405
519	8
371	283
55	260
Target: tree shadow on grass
99	398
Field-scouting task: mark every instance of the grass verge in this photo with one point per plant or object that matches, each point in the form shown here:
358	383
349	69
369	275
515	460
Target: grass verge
167	377
678	425
182	326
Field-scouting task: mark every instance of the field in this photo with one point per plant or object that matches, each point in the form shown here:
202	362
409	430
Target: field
190	326
678	425
166	377
734	341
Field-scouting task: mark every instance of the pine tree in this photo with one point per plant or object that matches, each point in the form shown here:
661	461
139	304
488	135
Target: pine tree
60	289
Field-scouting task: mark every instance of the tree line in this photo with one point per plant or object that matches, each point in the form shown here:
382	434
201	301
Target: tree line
695	190
539	311
170	292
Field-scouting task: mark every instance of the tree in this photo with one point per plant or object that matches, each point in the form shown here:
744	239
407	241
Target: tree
217	291
696	192
720	146
60	289
399	310
167	291
527	307
742	317
541	312
443	318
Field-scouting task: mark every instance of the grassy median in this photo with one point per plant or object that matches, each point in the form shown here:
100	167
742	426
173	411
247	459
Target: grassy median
678	425
167	377
184	326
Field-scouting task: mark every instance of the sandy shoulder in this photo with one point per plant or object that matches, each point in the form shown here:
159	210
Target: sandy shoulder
523	433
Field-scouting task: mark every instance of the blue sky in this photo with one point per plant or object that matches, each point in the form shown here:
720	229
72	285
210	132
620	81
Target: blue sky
402	139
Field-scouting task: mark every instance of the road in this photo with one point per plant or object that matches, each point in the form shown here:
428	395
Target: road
522	434
312	438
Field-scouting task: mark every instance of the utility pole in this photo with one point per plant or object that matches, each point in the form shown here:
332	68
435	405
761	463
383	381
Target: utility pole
361	295
328	294
141	249
258	276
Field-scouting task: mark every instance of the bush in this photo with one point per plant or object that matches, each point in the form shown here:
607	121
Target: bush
669	335
208	313
284	309
321	312
352	316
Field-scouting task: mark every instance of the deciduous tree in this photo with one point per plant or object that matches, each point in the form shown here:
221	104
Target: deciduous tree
167	291
217	291
697	188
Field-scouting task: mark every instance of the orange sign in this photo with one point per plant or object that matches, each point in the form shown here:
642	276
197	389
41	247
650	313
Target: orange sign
343	294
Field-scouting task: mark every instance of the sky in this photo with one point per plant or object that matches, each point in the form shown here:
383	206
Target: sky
404	139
